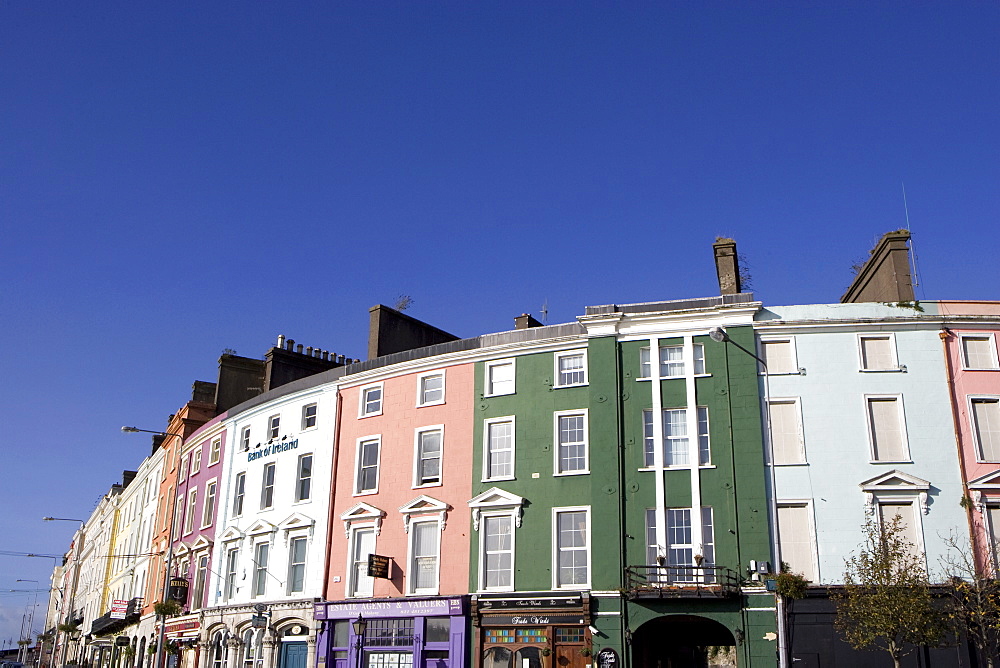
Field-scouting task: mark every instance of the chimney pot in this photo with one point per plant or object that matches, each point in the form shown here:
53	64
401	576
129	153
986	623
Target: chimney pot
281	341
309	351
298	348
290	345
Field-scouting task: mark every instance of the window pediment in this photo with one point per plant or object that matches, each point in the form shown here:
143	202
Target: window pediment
424	505
496	499
362	512
201	544
895	484
296	521
182	549
261	527
231	534
978	488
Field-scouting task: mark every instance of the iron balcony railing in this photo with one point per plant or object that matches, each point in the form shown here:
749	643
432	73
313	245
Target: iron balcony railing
681	582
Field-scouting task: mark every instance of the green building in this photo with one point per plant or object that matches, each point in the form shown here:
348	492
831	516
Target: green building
591	543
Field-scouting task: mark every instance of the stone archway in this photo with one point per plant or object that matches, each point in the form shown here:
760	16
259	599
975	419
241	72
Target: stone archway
680	641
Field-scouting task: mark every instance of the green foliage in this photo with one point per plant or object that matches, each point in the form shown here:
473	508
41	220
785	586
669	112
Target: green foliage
68	628
168	608
886	603
791	585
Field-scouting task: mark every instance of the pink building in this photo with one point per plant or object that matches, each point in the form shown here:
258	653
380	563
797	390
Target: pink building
974	377
401	487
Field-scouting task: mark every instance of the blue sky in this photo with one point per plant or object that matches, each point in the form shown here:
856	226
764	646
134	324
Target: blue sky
179	178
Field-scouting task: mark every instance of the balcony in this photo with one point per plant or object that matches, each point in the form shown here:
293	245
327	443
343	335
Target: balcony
712	582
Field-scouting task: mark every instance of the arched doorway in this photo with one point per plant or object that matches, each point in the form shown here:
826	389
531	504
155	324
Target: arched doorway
682	641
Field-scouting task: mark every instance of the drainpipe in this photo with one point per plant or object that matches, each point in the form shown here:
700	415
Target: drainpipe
324	645
622	545
944	335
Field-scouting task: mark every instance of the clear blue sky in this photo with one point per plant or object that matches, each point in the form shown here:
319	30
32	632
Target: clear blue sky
178	178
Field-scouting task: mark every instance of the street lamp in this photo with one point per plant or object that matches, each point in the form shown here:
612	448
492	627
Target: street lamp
719	335
360	625
161	640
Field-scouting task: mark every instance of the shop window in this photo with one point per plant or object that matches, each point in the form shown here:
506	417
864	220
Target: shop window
438	629
389	633
574	634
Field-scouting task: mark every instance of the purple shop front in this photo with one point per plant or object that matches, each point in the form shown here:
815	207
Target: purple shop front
398	633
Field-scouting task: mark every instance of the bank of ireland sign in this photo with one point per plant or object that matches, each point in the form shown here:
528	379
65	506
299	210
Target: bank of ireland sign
273	449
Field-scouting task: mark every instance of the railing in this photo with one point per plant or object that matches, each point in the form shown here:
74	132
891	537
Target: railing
680	582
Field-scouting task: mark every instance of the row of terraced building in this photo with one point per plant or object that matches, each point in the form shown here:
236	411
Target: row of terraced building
614	491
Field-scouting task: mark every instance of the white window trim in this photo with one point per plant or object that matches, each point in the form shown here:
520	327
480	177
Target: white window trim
357	464
969	400
254	564
217	452
289	540
898	398
298	478
978	335
486	448
513	376
263	485
685	360
795	355
362	392
350	587
243	501
270	420
555	441
577	352
420	393
482	549
802	437
190	511
416	456
811	518
919	510
303	426
411	589
555	547
245	438
894	366
204	503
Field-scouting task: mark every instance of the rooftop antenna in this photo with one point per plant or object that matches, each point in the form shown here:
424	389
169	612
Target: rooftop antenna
913	250
545	312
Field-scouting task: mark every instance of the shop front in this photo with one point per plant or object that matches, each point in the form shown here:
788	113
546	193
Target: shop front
182	641
532	630
393	633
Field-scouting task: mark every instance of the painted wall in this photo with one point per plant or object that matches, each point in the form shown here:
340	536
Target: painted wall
838	451
396	425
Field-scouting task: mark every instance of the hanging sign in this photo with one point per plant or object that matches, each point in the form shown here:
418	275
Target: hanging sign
607	658
378	566
119	609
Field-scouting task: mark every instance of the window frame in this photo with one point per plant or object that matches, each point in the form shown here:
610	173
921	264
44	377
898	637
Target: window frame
417	459
292	565
363	402
797	403
648	363
769	339
421	378
487	424
557	373
485	516
306	416
215	451
351	586
893	352
299	497
991	342
266	489
196	459
232	570
190	512
273	427
872	445
358	460
245	438
557	549
208	505
916	515
488	376
411	557
647	466
971	400
557	444
807	505
259	582
239	493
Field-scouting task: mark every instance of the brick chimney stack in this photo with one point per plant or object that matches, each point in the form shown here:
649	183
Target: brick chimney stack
727	266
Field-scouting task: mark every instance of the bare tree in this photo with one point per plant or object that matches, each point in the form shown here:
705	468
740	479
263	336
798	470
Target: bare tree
975	598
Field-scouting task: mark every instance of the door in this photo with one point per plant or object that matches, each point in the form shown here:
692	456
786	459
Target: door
293	655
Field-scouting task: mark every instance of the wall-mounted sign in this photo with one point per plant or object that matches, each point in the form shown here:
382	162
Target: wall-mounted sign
410	607
119	608
378	566
258	622
533	619
607	658
273	449
122	641
530	602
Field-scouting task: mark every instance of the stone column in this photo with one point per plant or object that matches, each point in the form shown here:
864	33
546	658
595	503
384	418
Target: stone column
268	648
233	655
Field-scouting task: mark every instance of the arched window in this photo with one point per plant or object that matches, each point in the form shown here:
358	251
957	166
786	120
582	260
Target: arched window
219	649
140	655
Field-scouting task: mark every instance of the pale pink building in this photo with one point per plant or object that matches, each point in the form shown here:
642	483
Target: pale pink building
974	376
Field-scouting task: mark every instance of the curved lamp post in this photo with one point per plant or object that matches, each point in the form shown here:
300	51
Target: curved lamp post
161	640
719	335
